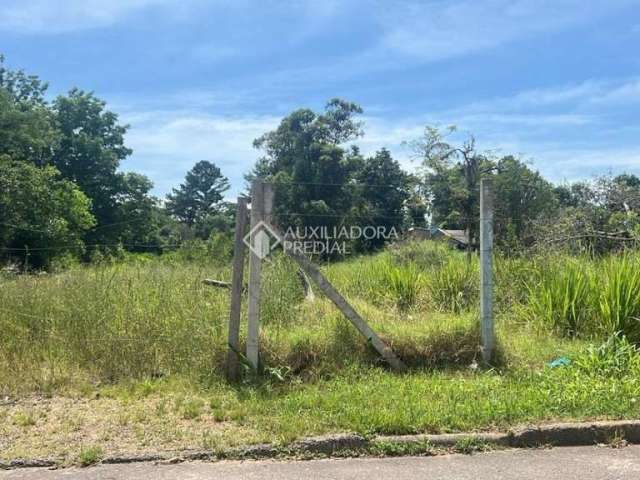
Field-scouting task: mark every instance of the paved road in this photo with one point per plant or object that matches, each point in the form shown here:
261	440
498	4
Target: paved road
581	463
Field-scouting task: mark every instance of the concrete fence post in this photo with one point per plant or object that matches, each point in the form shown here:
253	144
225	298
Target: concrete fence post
233	362
486	269
255	273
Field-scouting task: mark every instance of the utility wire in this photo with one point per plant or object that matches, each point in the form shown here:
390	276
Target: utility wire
346	184
346	216
29	229
62	247
98	227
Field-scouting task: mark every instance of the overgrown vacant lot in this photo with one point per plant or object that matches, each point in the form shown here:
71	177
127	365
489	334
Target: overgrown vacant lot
128	357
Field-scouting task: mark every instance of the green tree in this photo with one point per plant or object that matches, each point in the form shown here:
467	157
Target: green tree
452	175
220	222
200	196
85	142
89	153
27	127
41	215
577	194
303	156
595	216
521	196
381	193
139	219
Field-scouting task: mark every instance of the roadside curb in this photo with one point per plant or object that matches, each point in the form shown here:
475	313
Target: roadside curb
555	435
552	435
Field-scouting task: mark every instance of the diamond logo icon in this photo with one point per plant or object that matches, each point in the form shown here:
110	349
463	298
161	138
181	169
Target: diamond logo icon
261	240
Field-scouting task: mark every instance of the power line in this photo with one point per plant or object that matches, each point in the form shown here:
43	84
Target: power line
29	229
346	216
63	247
98	227
107	225
346	184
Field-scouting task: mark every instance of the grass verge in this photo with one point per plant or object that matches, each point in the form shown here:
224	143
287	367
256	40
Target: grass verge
127	359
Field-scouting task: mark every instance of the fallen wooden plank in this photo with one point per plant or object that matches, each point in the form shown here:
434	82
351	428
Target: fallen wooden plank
306	286
328	289
216	283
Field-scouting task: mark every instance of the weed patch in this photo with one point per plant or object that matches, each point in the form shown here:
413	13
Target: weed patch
90	456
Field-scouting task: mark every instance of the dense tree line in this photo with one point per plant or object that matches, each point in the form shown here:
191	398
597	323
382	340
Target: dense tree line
590	216
63	195
321	182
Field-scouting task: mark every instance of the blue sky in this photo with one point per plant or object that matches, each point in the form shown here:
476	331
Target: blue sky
555	81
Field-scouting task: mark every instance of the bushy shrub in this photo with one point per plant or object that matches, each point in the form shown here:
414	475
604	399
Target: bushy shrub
216	250
43	216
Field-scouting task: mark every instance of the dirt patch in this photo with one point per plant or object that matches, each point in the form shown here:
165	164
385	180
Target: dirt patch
62	427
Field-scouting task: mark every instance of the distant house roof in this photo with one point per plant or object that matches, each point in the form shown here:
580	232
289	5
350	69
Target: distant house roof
458	236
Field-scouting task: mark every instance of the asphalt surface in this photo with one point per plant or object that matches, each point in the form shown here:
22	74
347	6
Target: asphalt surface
583	463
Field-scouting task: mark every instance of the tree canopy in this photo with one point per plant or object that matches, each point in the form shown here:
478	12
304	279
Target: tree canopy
41	215
76	145
200	196
64	193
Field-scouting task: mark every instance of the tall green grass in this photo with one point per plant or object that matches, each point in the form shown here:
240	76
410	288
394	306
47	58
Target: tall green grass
617	289
560	296
454	286
404	284
584	297
149	318
154	318
426	275
111	322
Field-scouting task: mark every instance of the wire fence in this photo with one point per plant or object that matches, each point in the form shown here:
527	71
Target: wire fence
369	215
92	245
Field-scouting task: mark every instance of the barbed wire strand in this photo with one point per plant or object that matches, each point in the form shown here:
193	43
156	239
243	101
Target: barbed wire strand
98	227
346	184
114	245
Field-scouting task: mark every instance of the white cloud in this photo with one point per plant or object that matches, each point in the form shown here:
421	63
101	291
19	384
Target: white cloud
558	155
591	93
620	94
570	164
431	31
568	132
553	95
409	33
167	144
51	16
